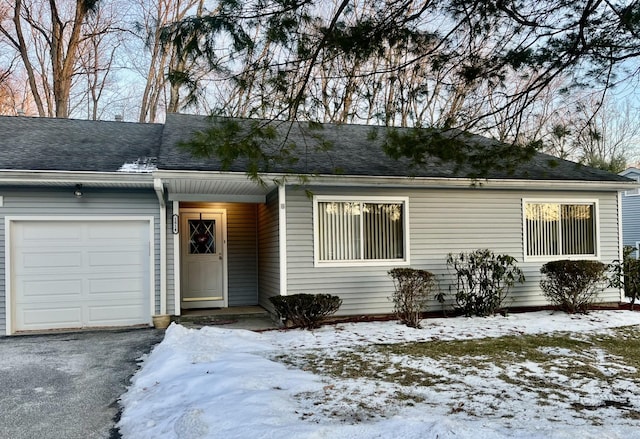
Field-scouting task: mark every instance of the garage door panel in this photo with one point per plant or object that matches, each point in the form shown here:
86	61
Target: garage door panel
114	231
41	233
128	260
52	318
68	274
115	315
45	259
112	287
50	291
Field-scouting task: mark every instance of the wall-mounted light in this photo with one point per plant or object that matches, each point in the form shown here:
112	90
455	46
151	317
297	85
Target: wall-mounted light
78	192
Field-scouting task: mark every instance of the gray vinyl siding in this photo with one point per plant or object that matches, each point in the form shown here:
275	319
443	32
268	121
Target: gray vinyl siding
61	202
242	244
268	250
441	221
631	220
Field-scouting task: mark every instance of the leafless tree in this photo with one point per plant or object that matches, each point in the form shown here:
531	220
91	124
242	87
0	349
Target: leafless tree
57	40
163	63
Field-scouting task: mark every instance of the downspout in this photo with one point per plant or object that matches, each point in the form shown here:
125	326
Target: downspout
159	188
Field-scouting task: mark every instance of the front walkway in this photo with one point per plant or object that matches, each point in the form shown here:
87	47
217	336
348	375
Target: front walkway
253	318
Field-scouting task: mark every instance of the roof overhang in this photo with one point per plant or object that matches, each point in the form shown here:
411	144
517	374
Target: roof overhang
238	187
221	186
66	178
434	183
214	186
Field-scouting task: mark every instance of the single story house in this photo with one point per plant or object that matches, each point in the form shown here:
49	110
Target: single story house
108	223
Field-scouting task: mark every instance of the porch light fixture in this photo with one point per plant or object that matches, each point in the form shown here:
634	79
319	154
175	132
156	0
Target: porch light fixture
78	192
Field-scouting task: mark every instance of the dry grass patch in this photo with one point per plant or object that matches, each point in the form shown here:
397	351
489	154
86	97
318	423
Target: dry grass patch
590	375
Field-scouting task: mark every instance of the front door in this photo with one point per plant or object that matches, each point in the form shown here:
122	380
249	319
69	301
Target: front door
202	259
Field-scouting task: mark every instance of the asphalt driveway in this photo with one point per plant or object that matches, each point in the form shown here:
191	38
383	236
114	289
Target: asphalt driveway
67	385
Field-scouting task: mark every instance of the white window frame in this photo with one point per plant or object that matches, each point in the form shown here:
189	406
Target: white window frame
587	201
317	262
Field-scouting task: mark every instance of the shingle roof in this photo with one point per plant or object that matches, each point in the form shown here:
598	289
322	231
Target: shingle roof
28	143
32	143
355	151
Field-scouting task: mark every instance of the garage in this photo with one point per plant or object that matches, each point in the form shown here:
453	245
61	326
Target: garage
79	273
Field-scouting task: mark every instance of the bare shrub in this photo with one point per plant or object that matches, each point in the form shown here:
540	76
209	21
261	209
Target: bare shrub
413	288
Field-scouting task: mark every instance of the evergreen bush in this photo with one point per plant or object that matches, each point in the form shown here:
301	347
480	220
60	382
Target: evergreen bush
573	286
483	280
305	310
625	274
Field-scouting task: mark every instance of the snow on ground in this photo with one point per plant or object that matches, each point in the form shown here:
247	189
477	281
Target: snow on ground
225	383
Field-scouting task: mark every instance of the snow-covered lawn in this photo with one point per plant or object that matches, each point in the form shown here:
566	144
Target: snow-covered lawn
230	383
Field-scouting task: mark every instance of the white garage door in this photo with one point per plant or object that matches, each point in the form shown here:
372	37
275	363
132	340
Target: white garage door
74	274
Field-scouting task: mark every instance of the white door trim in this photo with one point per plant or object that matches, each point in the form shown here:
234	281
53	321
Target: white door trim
225	259
8	220
282	237
177	291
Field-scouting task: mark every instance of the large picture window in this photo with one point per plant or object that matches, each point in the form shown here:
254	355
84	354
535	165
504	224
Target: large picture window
560	229
360	230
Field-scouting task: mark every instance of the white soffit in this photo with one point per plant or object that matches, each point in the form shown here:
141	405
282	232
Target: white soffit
215	187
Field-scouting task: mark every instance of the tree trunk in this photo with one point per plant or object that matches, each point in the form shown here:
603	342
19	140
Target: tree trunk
22	48
62	63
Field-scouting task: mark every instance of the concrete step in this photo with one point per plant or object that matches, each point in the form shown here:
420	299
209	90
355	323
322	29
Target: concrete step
251	318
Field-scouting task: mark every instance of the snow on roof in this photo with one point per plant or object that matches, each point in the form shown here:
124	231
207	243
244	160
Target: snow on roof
141	165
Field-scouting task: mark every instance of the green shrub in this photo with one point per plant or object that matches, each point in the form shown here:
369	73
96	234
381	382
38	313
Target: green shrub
305	310
412	290
573	286
483	280
625	274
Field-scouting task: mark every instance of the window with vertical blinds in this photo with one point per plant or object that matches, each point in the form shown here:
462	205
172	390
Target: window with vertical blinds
559	229
360	231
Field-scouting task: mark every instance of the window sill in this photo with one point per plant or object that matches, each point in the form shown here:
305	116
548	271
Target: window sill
372	263
550	258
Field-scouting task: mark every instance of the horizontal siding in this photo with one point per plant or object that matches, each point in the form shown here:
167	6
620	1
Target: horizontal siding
441	221
631	220
268	251
242	246
61	202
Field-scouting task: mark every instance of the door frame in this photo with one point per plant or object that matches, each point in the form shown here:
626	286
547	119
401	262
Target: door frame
10	219
225	255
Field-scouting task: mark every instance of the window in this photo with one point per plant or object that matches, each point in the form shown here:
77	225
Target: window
361	230
560	229
202	237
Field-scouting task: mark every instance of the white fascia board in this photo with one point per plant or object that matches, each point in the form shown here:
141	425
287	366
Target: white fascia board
432	183
398	182
12	177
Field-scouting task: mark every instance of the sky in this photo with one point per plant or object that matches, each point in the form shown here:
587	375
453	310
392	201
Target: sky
216	382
